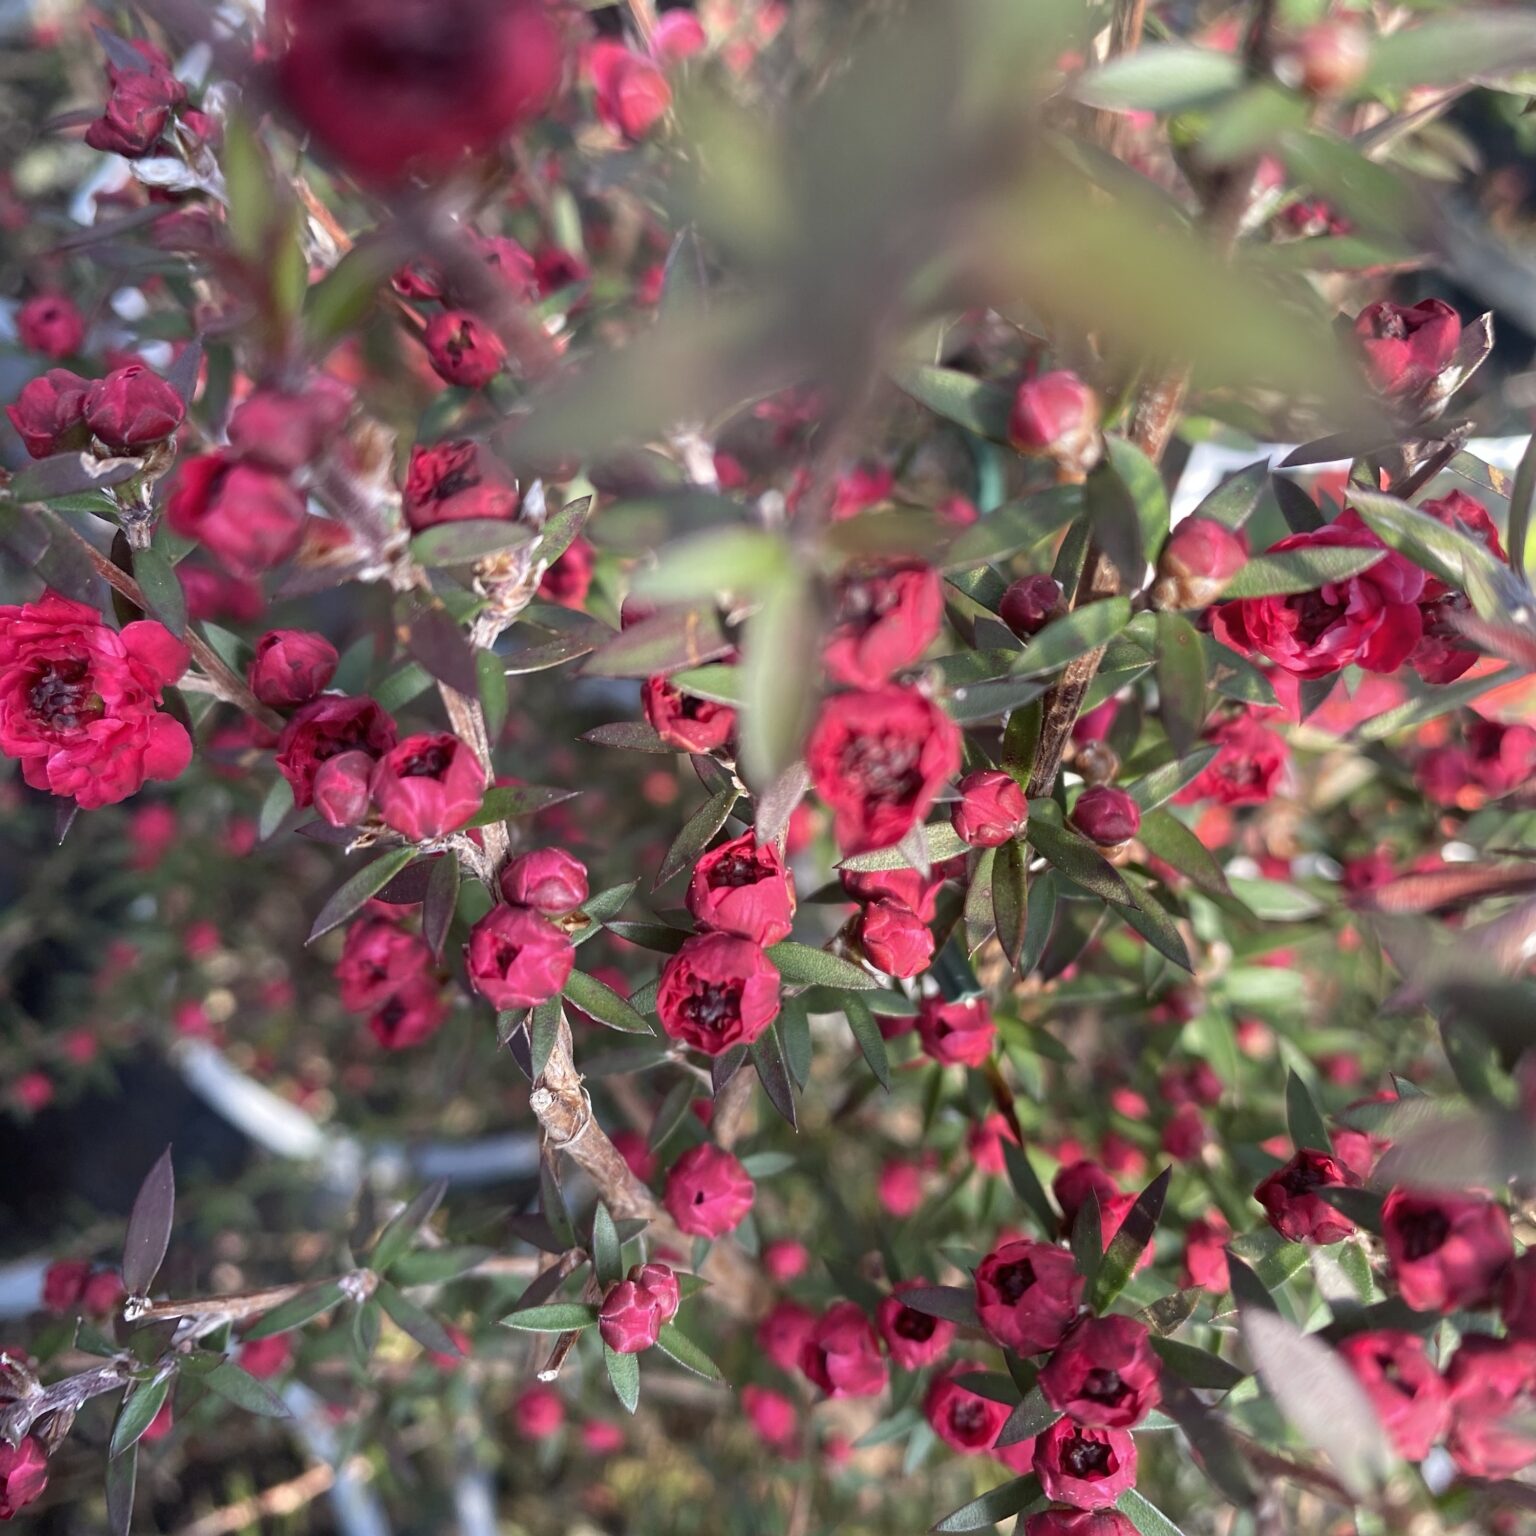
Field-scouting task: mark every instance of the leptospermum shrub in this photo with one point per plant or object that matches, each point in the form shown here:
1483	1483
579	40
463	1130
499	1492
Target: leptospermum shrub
603	583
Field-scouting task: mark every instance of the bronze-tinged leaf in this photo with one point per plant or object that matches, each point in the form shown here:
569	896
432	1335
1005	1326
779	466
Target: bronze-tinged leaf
149	1227
1444	890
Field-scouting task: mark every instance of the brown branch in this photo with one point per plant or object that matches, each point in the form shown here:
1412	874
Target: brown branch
277	1502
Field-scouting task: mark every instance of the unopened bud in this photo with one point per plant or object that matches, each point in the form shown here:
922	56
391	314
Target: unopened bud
1056	416
1030	604
1106	815
1199	559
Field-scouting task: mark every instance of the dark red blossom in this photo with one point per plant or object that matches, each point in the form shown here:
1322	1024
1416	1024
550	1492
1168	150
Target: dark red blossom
742	887
842	1355
685	721
1106	815
634	1311
991	809
717	991
1027	1294
1407	347
247	517
457	481
914	1338
1405	1389
1031	603
132	409
708	1192
291	666
1088	1468
428	785
886	619
1103	1373
23	1475
1250	760
49	413
1295	1209
463	350
517	959
325	728
1492	1385
1447	1252
959	1033
964	1420
894	938
549	880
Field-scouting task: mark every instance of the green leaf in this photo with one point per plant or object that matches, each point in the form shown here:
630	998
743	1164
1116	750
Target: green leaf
939	838
1130	1241
1180	681
296	1312
336	305
955	1303
676	1345
996	1505
1236	500
244	1391
366	883
468	540
561	528
781	652
1450	554
1299	570
504	802
1169	78
1148	1519
607	1250
862	1022
1010	903
794	1030
1041	919
697	833
718	681
1088	1242
980	408
436	1266
603	1003
1521	497
557	1317
122	1473
1074	634
1015	526
1167	838
1197	1367
1303	1118
804	965
1148	496
543	1032
740	559
1159	785
1150	919
491	687
162	591
1077	859
141	1403
1448	50
552	1205
401	1231
1027	1186
768	1062
624	1374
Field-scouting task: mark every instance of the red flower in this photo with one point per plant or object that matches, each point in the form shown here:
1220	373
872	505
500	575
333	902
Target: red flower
886	619
264	1358
1295	1210
1517	1299
984	1142
1074	1182
569	579
914	1338
64	1285
378	958
878	759
517	959
463	350
956	1033
1104	1373
1106	815
1199	559
136	114
283	431
428	785
991	809
964	1420
549	880
538	1413
1030	604
894	938
783	1333
683	720
1249	761
1027	1294
717	991
773	1416
325	728
1056	415
410	1015
1405	1389
1492	1386
49	413
50	324
1371	620
341	788
103	1293
708	1192
1407	348
908	886
23	1475
1088	1468
457	482
133	408
414	85
635	1309
1205	1253
291	666
842	1356
79	702
743	888
249	518
632	95
1079	1522
1447	1253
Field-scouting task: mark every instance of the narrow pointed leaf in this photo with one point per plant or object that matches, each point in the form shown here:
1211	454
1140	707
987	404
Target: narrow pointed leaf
149	1227
367	882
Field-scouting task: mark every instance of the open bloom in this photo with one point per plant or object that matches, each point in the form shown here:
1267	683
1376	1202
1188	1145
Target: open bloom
956	1034
914	1338
1027	1294
325	728
842	1355
517	959
886	619
1408	1393
964	1420
1088	1468
249	518
1446	1252
456	482
1103	1373
80	701
1295	1209
428	785
743	888
718	991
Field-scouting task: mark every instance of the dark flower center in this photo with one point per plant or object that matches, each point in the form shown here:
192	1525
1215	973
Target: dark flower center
1104	1386
429	763
1087	1458
463	476
1425	1233
1315	616
968	1417
1014	1279
736	871
884	767
1304	1178
61	698
915	1325
713	1006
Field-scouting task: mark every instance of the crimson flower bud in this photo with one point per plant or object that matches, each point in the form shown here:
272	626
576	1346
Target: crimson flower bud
378	959
842	1355
1329	58
743	888
517	959
634	1310
340	790
1088	1468
783	1333
136	114
1295	1209
1027	1294
631	93
538	1413
717	991
914	1338
23	1475
452	482
49	413
410	1015
325	728
956	1034
964	1420
549	880
1407	347
991	809
1056	416
568	580
1199	559
1447	1253
1103	1373
894	938
249	518
773	1415
133	408
291	666
708	1192
1079	1522
50	324
1030	604
102	1294
1409	1395
1106	815
463	350
264	1358
428	785
287	431
64	1284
